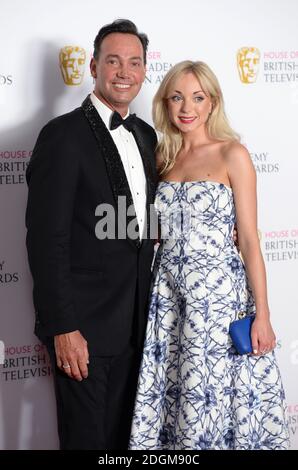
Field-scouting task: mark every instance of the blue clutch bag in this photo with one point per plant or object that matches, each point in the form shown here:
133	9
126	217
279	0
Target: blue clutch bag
240	334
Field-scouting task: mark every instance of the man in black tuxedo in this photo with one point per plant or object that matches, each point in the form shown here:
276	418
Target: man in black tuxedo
90	292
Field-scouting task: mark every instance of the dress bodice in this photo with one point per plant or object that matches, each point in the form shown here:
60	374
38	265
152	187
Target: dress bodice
201	214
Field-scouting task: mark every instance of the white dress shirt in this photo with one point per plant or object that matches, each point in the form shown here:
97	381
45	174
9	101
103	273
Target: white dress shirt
131	160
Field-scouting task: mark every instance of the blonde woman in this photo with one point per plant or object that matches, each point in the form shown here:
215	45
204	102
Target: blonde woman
195	391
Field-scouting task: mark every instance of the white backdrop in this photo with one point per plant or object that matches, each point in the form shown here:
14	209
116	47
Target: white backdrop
264	112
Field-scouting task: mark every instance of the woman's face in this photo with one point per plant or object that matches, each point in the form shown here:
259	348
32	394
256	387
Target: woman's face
188	105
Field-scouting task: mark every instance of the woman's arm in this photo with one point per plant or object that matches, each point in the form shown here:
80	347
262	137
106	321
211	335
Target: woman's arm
242	176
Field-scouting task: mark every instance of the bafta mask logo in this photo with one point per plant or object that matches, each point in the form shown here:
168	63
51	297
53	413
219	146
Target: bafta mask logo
72	64
248	59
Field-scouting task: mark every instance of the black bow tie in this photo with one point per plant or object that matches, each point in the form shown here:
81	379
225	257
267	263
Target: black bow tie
116	121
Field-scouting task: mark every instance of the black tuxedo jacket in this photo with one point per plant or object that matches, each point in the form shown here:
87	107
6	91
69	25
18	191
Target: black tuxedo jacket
99	287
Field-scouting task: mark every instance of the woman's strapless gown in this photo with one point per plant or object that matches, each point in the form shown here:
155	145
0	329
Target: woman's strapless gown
194	391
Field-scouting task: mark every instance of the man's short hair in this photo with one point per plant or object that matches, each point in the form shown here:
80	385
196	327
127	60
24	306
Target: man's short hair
119	26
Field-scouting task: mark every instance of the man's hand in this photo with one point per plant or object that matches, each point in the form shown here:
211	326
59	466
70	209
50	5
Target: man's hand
72	354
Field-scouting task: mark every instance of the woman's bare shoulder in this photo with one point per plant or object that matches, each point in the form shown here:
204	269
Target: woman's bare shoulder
234	150
159	161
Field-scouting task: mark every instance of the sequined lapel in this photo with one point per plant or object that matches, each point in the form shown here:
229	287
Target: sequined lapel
115	169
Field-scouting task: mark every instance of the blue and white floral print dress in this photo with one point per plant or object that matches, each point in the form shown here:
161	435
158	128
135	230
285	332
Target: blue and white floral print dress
194	391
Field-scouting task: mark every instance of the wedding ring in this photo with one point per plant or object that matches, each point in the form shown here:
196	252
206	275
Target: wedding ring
65	366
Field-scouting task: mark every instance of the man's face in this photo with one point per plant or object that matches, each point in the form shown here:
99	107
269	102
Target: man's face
72	62
119	70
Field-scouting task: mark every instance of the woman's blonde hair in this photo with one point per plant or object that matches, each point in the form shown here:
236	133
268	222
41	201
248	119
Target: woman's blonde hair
217	125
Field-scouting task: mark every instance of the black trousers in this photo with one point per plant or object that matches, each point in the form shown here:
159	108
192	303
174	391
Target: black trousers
96	413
